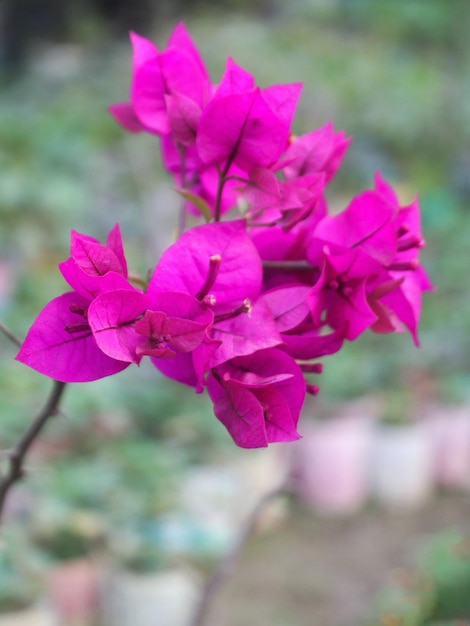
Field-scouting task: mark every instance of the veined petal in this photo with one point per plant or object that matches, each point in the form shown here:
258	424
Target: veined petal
60	344
112	316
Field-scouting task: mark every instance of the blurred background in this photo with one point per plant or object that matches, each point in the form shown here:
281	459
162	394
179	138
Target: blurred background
138	480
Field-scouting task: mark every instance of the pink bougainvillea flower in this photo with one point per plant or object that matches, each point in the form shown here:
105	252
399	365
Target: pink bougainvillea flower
169	88
402	303
242	331
60	343
288	305
339	297
93	267
320	151
217	260
276	201
128	325
258	398
365	224
301	337
112	317
244	124
182	324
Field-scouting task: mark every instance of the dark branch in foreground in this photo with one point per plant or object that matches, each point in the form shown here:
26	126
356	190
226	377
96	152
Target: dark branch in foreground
14	471
228	562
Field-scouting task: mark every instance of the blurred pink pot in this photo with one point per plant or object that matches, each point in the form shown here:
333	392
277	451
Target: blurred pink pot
449	430
73	590
331	464
401	467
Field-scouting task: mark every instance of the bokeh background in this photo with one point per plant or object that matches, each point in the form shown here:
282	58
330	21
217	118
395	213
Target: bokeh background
124	473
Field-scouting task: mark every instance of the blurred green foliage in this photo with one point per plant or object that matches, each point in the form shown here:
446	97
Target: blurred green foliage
433	593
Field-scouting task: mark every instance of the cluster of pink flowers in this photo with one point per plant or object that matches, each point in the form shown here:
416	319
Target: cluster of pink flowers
244	307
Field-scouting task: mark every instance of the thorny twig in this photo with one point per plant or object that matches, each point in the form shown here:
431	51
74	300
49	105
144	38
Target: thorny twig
16	457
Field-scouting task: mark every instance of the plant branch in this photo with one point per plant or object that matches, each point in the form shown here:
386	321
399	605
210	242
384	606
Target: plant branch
15	469
10	334
293	266
228	562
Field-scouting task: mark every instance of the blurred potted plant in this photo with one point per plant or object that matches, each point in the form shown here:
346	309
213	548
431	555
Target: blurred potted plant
143	585
435	592
401	460
146	586
70	530
20	589
447	560
407	600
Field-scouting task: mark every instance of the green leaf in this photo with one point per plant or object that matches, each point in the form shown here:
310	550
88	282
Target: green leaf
198	202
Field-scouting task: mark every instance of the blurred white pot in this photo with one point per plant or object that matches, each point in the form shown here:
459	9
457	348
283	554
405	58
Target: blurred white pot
401	465
166	598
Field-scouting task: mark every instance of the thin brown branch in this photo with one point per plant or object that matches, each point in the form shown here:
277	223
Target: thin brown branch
16	457
10	334
228	562
293	266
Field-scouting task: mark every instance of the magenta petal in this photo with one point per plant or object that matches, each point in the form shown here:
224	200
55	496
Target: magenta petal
148	97
188	368
61	345
144	50
366	224
115	244
177	304
405	302
321	150
94	258
185	265
182	75
235	80
283	100
182	334
310	344
271	362
112	316
180	38
353	312
180	368
263	191
240	412
183	115
90	286
278	419
240	128
124	114
244	334
288	306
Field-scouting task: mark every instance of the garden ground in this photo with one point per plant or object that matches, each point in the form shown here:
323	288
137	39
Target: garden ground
318	571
